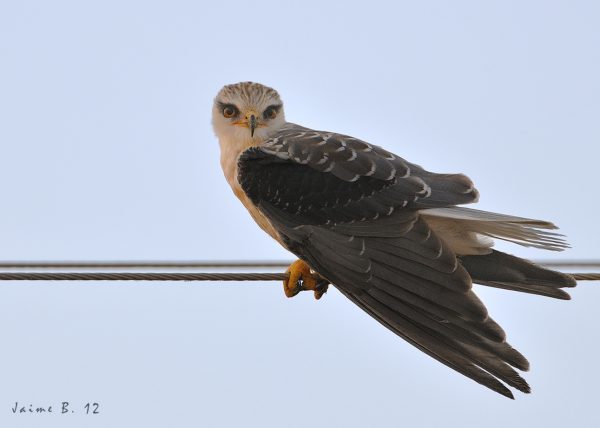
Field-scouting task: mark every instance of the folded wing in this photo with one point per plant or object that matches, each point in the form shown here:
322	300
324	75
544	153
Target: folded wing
352	212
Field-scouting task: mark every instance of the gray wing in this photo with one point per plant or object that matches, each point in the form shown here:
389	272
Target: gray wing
351	211
349	158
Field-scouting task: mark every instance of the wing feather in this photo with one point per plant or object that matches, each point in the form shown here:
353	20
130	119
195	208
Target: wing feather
351	210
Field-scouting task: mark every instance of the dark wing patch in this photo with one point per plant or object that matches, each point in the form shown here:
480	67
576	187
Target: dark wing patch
366	237
321	197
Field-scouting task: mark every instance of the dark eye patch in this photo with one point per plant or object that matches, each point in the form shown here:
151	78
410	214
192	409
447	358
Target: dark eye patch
228	110
271	111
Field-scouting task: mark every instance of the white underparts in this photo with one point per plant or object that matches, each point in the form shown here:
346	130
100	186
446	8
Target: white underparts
230	152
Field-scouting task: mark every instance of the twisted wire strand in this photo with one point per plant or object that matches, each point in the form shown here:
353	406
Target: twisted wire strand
586	276
145	276
138	276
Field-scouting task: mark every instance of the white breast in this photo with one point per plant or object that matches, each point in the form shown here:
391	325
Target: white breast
230	152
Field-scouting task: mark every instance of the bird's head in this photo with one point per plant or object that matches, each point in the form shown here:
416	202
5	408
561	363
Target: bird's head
247	112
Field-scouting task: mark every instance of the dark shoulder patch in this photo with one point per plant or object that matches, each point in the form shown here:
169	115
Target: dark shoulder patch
300	190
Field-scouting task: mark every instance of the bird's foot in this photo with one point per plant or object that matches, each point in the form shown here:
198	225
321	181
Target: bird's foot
301	278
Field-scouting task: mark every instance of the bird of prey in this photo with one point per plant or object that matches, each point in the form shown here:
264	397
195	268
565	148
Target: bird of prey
388	234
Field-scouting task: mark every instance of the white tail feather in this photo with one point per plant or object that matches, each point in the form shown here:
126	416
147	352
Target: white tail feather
464	230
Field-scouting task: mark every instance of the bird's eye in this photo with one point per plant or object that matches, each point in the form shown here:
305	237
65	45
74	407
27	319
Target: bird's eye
229	111
270	112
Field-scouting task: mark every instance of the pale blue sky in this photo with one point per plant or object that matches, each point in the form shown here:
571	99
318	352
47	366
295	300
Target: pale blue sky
107	153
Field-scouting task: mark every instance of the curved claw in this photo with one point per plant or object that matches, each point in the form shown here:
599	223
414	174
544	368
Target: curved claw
321	288
301	278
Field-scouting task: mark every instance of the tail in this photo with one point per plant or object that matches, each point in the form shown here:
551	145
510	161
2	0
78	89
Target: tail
463	228
502	270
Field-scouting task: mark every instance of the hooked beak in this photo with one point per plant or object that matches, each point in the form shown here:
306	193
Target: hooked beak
252	122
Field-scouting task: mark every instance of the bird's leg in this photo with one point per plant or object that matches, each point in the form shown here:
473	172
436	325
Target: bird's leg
301	278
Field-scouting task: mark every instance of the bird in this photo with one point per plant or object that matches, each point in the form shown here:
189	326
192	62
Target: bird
390	235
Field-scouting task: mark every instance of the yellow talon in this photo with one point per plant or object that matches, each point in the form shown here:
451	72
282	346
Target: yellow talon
301	278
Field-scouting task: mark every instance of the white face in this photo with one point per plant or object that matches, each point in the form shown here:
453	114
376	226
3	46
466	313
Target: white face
247	113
